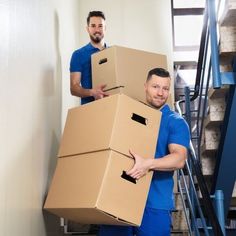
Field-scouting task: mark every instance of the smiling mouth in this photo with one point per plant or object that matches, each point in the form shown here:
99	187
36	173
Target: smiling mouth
159	99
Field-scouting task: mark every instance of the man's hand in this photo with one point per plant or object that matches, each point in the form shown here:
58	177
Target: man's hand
98	92
141	166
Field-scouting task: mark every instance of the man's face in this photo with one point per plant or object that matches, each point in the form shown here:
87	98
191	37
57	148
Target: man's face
96	29
157	91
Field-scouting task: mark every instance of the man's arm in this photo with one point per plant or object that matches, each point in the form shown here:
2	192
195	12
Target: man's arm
173	161
77	90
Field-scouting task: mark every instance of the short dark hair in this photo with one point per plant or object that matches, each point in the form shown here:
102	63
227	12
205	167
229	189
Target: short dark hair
159	72
95	13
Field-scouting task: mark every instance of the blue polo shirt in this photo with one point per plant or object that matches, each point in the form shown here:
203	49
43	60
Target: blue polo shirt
173	129
81	62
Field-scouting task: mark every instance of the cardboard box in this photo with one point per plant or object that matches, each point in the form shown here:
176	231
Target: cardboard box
117	122
89	189
124	70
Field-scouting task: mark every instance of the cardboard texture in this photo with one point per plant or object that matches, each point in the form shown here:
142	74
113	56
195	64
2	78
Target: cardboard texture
88	188
117	122
124	70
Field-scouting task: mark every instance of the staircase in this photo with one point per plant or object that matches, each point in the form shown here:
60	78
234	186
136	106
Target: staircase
212	105
215	121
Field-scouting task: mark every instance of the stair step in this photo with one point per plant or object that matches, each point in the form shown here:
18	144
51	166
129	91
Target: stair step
213	120
209	148
228	17
217	105
179	233
212	137
234	191
227	40
208	165
232	213
208	151
76	228
179	221
178	201
217	93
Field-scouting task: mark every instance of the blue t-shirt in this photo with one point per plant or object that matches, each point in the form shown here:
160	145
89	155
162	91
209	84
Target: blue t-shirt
81	62
173	129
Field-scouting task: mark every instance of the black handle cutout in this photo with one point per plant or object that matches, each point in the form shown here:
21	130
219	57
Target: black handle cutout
128	177
139	119
102	61
113	88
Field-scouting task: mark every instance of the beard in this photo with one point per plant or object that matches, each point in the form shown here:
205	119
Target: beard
96	39
156	104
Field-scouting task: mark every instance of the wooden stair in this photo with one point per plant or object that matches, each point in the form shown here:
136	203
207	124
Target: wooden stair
179	223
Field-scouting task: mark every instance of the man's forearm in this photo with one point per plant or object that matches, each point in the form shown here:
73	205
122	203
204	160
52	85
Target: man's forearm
170	162
81	92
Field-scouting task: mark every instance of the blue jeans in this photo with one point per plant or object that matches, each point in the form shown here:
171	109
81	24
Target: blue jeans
155	222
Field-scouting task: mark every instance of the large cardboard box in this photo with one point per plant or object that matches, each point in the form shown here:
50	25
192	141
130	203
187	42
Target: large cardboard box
124	70
89	189
117	122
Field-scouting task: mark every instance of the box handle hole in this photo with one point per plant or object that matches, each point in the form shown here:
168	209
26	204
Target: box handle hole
128	177
142	120
102	61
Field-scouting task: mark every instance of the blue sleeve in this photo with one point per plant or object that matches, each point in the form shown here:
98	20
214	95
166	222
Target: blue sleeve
75	62
179	132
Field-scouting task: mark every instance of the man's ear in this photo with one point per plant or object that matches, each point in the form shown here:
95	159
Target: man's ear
145	86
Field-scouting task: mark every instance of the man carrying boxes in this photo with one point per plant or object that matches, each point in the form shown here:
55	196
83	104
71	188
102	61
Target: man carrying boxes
96	181
170	154
80	64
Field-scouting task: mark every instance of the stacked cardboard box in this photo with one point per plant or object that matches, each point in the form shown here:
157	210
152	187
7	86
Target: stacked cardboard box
124	70
90	184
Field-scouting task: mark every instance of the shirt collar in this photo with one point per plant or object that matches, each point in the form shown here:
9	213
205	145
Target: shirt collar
165	108
92	47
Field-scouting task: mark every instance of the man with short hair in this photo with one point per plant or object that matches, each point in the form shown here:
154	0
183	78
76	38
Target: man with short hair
80	64
171	153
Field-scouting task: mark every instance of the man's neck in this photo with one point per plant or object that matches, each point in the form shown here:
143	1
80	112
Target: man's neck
100	45
158	108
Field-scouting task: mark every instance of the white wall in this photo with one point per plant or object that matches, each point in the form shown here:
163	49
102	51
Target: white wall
37	39
34	52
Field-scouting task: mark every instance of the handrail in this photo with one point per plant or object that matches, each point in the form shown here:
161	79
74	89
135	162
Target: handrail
214	45
201	55
207	202
209	17
210	211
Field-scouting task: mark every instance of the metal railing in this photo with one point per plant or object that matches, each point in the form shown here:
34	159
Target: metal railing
202	213
187	187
